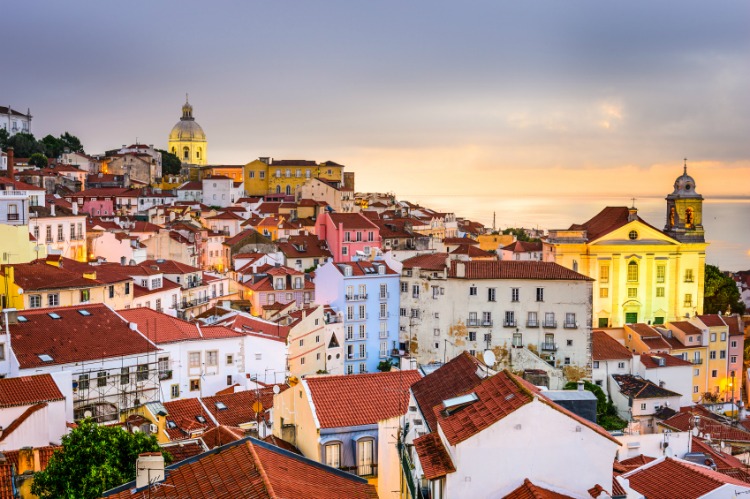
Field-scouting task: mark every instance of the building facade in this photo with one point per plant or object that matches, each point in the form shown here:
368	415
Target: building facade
187	140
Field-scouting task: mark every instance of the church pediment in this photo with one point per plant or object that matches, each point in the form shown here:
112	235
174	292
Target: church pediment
636	233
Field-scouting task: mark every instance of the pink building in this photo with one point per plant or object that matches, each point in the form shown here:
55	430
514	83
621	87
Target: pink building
280	287
348	235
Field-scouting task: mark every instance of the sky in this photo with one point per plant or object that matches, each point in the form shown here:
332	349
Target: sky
493	98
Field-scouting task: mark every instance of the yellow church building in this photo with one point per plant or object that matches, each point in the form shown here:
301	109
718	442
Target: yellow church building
642	274
187	140
266	176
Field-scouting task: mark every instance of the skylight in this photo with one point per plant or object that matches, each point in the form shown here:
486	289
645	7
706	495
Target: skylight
171	425
44	357
200	418
21	318
84	313
220	406
53	315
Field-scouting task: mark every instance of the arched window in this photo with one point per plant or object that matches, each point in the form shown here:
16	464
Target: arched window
174	151
185	153
575	265
298	173
288	190
278	189
198	153
633	271
332	454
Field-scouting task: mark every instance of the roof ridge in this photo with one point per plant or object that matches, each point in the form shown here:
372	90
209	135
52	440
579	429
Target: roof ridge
261	470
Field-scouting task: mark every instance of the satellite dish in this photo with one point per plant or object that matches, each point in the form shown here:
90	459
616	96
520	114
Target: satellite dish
276	389
669	452
489	357
87	414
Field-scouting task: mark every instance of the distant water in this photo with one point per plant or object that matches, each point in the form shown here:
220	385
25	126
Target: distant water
726	221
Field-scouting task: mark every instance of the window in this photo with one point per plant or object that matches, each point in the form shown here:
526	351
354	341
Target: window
473	291
362	313
212	358
632	292
53	300
733	359
539	294
365	457
174	391
604	273
712	354
633	235
722	354
688	275
111	290
570	320
549	319
695	389
660	292
661	274
415	291
402	312
362	367
514	293
383	310
696	372
302	361
487	318
567	361
621	365
713	336
532	320
633	271
510	319
332	454
83	382
142	372
60	236
723	336
603	292
688	300
262	174
195	385
491	294
362	350
101	378
714	373
194	359
643	407
127	288
472	336
734	344
404	287
35	301
596	364
603	322
383	348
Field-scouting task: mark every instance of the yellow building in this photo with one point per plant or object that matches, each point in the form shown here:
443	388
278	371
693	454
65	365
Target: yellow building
16	246
266	176
642	274
187	140
493	242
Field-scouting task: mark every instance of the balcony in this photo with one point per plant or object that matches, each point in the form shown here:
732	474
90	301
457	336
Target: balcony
356	297
697	362
166	374
532	323
549	324
570	325
367	470
12	216
511	323
472	322
193	303
384	296
486	322
549	347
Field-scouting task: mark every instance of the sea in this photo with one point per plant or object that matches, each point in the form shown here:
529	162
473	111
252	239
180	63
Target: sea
726	221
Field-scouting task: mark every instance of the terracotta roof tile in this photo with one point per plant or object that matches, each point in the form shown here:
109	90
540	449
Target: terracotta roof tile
471	251
351	221
712	320
639	388
251	468
358	267
184	413
257	327
686	327
708	424
184	450
432	261
496	269
433	456
527	490
282	444
638	460
670	478
457	377
652	361
609	219
368	398
238	406
222	435
27	390
74	337
523	247
606	347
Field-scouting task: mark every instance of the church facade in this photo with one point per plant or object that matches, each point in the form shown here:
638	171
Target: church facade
187	140
641	274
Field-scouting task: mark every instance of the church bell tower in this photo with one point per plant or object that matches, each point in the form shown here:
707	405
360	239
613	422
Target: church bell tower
685	211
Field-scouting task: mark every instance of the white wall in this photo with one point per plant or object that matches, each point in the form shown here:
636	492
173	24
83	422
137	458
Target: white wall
389	465
651	445
678	379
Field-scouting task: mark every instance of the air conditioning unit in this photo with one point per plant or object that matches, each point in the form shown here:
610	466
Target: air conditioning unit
153	428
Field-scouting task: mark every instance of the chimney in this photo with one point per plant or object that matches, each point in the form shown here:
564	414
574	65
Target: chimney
74	206
11	163
149	469
52	209
580	385
632	214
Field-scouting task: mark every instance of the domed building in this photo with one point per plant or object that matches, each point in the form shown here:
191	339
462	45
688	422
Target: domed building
187	140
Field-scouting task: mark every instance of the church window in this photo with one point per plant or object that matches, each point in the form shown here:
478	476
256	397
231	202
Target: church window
661	273
688	275
278	189
604	273
633	235
688	300
603	292
186	153
632	292
633	272
198	153
660	292
288	190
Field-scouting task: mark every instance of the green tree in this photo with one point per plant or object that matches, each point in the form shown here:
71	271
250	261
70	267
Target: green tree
720	293
385	365
39	160
53	147
71	142
24	145
4	136
520	234
170	164
94	458
606	413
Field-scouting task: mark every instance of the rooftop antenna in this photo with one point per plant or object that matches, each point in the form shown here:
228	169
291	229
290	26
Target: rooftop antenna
493	222
684	167
633	202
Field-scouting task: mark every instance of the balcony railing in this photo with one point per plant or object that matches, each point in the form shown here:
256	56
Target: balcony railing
362	469
697	361
193	303
511	323
570	325
532	323
472	322
487	322
551	324
356	297
12	216
549	347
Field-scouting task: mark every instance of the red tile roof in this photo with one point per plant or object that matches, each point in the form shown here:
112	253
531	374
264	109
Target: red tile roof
638	388
712	320
471	251
606	347
523	247
527	490
184	450
251	468
27	390
432	261
638	460
282	444
686	327
722	459
670	478
496	269
74	337
170	266
459	240
222	435
351	221
457	377
652	361
183	413
649	336
433	456
239	405
708	425
609	219
498	396
358	268
360	399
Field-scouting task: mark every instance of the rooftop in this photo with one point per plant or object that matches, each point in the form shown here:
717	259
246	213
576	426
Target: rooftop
512	269
606	347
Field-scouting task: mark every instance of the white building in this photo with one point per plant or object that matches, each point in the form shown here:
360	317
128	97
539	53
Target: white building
15	121
667	371
449	307
222	191
16	199
609	357
639	400
63	231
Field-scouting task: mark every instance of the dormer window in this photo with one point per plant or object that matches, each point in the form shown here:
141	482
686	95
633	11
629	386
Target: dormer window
280	283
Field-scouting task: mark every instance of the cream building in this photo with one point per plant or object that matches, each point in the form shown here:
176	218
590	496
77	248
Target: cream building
642	274
187	140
